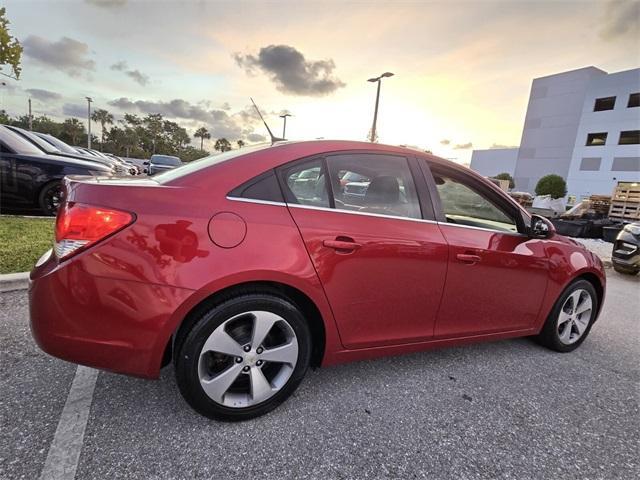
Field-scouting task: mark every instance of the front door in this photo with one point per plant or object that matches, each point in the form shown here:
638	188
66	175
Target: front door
497	275
381	264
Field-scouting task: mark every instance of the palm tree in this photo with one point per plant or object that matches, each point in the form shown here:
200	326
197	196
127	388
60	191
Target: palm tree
240	143
222	145
103	118
202	133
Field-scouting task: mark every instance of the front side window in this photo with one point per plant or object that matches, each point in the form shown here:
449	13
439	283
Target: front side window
373	183
463	204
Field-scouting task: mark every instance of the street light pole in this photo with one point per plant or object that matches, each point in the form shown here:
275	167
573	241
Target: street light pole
375	112
89	100
284	126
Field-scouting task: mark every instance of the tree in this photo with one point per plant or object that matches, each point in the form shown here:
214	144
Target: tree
222	145
553	185
154	126
103	118
240	143
202	133
506	176
10	48
72	130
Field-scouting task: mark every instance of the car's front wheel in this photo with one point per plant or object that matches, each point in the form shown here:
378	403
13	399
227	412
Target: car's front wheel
243	357
571	318
50	198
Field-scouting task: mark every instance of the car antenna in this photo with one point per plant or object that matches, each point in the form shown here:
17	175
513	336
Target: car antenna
273	138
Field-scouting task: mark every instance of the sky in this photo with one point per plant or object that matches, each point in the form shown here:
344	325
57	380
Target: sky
462	70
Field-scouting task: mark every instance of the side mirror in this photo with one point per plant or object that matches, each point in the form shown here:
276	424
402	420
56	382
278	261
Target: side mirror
145	163
541	227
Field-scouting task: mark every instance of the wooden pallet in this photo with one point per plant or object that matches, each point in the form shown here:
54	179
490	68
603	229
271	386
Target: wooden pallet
625	202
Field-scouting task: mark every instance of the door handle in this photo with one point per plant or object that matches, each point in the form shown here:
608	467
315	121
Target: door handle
468	258
342	245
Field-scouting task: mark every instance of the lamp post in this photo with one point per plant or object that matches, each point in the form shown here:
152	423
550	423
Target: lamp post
284	126
89	100
375	112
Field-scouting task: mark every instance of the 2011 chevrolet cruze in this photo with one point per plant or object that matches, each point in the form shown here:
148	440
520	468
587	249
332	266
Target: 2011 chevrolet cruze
244	269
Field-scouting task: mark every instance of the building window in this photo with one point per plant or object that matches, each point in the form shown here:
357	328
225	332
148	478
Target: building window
595	139
626	164
605	103
630	137
634	100
590	164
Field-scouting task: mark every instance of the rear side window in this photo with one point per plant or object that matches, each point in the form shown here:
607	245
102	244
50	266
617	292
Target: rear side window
263	187
304	183
373	183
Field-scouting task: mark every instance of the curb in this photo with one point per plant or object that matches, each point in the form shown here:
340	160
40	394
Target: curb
14	281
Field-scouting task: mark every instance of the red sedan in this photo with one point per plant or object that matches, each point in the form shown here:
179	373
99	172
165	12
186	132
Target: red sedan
244	269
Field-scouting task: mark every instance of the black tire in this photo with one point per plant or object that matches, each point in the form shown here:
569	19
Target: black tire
50	197
186	360
550	336
625	270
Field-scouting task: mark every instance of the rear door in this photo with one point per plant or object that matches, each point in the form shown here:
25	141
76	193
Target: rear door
377	250
497	275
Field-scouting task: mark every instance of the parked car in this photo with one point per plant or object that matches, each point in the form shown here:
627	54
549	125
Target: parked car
31	179
626	250
122	166
48	148
222	268
162	163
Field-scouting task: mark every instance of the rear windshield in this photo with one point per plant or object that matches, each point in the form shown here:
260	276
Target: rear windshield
206	162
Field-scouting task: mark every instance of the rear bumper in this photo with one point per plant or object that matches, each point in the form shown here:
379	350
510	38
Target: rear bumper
105	323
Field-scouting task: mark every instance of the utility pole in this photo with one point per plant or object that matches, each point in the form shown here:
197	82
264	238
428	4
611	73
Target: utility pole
30	117
89	100
284	126
3	84
375	112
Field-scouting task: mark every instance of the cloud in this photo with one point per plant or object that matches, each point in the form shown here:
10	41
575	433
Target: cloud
463	146
67	55
220	123
43	95
498	146
74	110
290	71
445	142
107	3
621	19
256	137
136	75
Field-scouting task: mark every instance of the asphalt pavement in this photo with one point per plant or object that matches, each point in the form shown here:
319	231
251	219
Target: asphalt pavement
508	409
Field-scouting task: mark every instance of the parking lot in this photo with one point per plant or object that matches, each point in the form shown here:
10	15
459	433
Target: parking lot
508	409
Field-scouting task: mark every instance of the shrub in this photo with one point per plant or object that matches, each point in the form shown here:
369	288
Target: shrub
553	185
506	176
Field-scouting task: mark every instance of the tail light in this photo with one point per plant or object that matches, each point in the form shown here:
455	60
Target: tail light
78	226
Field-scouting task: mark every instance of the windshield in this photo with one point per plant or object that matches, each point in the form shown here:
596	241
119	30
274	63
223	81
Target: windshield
196	165
59	144
18	144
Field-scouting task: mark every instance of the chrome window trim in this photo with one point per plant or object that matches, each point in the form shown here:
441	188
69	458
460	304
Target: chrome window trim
252	200
517	234
367	214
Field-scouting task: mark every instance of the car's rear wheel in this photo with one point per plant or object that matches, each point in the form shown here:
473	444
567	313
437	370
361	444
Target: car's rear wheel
50	198
243	357
571	318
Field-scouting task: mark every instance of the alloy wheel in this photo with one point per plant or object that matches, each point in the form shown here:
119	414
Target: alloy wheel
247	359
574	316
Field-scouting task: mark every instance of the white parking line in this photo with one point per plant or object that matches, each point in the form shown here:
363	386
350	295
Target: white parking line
64	452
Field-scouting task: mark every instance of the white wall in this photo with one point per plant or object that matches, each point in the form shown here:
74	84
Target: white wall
494	161
549	134
584	183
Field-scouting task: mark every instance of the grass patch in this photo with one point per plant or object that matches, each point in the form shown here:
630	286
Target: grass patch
23	241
